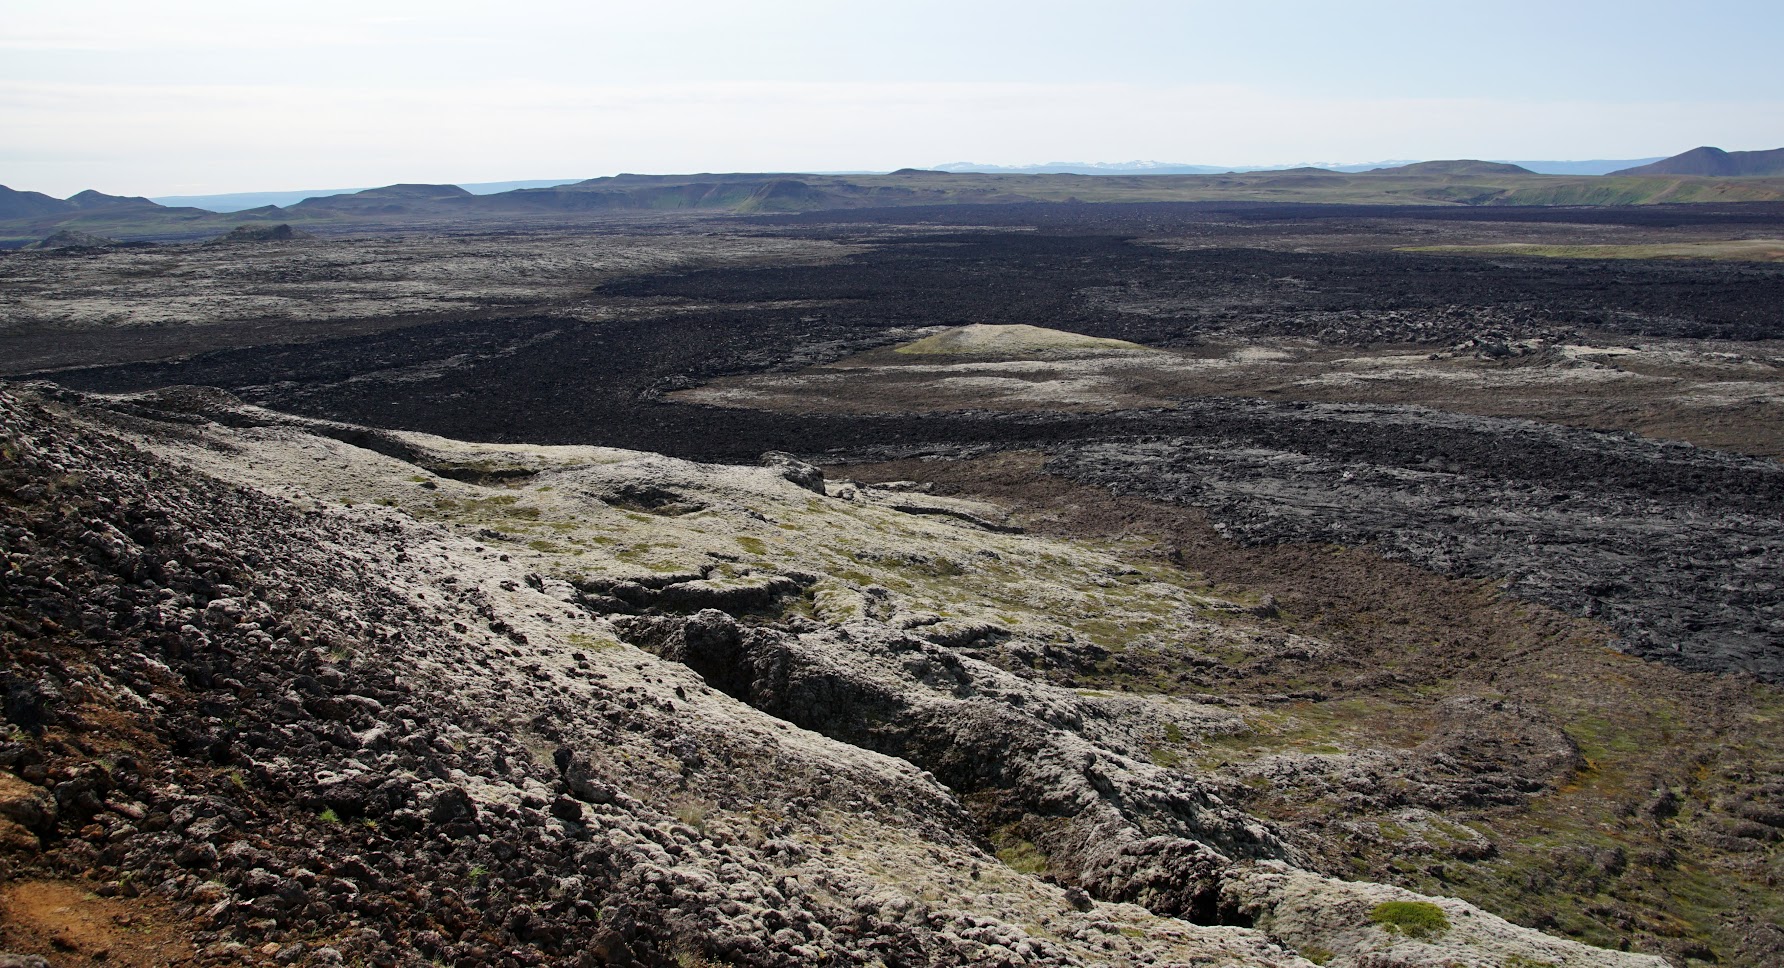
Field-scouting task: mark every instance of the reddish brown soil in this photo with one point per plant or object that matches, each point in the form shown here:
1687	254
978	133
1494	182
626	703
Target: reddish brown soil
64	923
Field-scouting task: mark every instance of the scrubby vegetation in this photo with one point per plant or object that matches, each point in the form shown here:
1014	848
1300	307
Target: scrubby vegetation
1415	919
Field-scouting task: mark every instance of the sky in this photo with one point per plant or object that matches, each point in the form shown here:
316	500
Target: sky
178	97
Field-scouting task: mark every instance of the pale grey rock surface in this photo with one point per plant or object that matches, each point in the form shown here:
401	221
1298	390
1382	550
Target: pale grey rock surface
629	709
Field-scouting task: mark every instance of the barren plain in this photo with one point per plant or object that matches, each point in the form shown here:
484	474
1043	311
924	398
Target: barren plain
1184	584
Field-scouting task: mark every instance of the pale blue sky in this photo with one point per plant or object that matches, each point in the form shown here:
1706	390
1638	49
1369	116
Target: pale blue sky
210	96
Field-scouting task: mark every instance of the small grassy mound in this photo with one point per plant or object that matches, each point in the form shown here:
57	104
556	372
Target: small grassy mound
1415	919
1013	340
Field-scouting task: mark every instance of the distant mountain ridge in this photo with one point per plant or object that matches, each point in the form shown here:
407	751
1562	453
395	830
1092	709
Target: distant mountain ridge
1087	168
1146	168
390	198
1591	167
1465	166
245	201
1715	163
30	217
17	204
242	201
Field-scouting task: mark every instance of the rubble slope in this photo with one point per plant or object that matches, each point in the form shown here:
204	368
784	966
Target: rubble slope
340	695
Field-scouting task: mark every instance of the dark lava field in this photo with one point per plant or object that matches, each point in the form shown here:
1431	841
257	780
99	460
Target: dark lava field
1678	547
1440	548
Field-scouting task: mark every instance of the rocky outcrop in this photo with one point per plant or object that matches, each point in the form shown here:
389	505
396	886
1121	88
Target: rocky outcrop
1372	924
74	239
332	725
260	233
795	470
1611	526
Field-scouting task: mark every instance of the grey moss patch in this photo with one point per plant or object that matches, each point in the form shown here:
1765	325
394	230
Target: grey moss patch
928	617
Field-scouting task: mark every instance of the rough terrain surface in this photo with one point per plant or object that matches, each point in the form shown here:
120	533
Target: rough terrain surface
329	704
1232	583
1403	751
80	306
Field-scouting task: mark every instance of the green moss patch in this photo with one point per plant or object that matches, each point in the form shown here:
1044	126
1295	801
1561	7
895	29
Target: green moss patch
1415	919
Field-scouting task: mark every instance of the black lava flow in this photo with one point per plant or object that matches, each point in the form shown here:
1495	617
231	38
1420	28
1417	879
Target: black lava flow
1675	545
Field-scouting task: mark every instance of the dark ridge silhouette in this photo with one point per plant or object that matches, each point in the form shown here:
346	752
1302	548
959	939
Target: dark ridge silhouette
91	199
391	199
1714	162
17	204
1464	166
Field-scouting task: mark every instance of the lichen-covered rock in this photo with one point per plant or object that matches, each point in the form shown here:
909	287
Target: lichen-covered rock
1361	924
795	470
384	721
